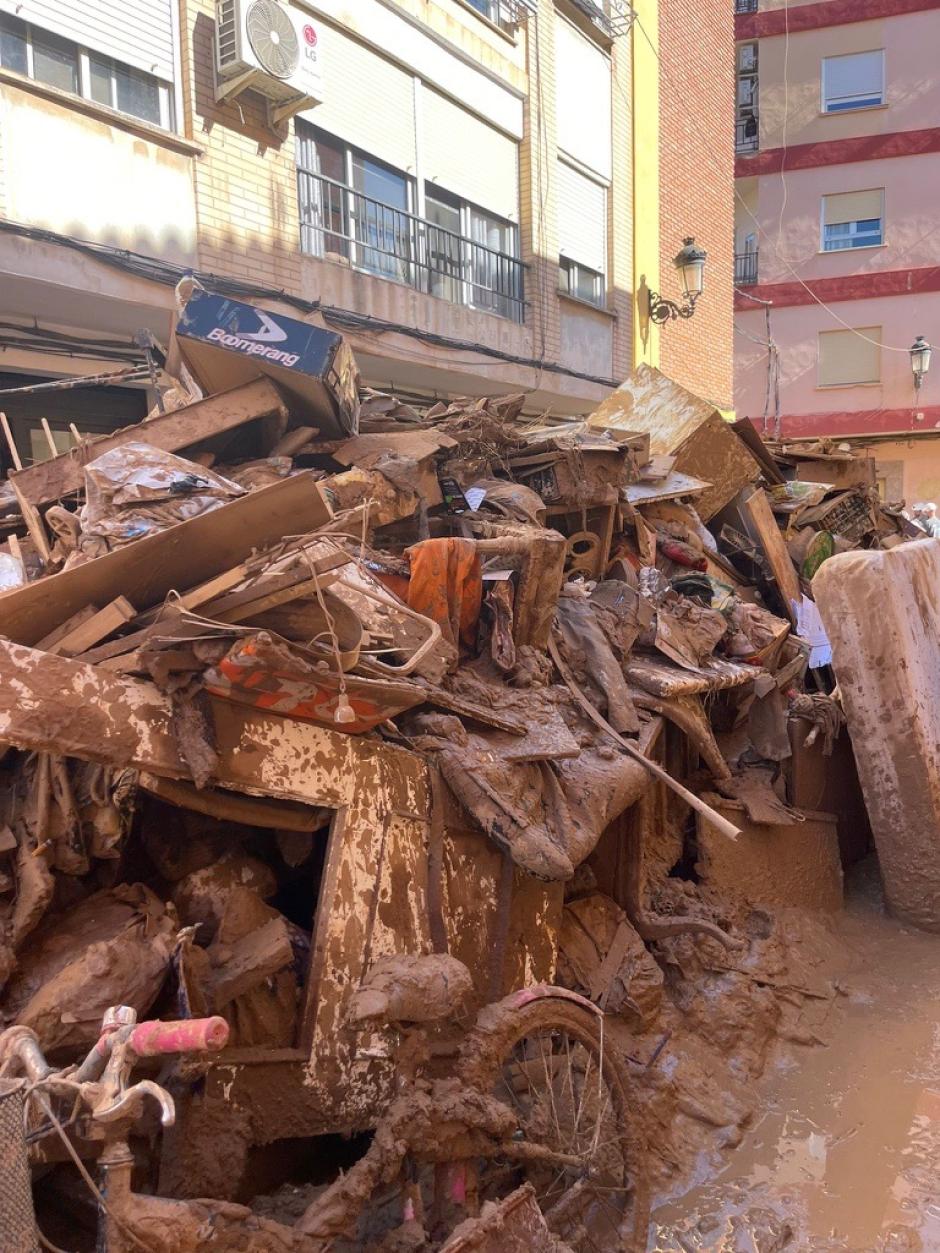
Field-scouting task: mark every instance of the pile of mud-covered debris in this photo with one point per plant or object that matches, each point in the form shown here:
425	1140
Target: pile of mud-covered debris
297	682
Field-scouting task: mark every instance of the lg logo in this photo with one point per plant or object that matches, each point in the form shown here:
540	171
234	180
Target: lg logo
310	36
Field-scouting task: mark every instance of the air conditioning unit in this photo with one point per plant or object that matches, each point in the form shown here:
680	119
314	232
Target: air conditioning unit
271	48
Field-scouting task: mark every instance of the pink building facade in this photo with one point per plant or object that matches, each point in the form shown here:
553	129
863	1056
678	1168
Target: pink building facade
837	225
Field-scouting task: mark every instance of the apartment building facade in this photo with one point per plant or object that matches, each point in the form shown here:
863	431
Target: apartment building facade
837	247
476	192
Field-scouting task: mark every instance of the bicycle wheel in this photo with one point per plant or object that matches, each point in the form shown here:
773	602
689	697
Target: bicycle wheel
548	1061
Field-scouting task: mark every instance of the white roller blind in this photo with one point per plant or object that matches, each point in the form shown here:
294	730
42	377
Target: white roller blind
465	156
846	358
853	80
137	32
582	93
853	206
582	218
369	102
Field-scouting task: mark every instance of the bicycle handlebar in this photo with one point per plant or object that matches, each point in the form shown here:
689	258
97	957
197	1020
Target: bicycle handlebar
191	1035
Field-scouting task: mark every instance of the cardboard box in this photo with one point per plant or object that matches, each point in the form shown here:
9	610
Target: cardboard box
225	342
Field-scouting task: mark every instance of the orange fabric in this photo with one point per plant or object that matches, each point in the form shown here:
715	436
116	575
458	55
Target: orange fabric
447	586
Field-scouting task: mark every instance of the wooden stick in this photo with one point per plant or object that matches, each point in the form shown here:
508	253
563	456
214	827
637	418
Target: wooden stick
16	551
17	463
50	438
715	818
76	433
32	518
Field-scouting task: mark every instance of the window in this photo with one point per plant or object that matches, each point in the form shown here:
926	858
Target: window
582	231
46	57
746	106
356	207
380	218
55	61
125	89
853	219
502	13
581	282
848	358
856	81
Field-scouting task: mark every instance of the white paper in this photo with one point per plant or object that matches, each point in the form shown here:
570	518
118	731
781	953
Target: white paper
475	496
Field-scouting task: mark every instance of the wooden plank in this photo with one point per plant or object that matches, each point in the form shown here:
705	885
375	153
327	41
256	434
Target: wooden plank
69	624
269	588
94	629
181	556
763	529
48	481
34	523
11	442
201	594
270	600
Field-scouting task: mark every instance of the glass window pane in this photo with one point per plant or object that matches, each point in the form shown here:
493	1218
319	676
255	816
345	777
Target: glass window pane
100	75
13	44
445	249
380	222
137	94
55	61
379	182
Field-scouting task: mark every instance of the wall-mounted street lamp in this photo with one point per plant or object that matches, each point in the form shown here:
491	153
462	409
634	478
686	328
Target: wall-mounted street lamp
920	360
690	262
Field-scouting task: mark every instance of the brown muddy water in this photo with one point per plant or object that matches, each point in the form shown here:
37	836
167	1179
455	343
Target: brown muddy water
845	1151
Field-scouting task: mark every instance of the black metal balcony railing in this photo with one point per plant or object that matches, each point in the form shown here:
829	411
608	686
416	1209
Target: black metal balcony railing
745	269
394	244
746	134
745	6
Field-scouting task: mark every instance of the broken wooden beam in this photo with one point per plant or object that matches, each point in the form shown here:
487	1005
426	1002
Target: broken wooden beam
48	481
94	628
249	961
179	556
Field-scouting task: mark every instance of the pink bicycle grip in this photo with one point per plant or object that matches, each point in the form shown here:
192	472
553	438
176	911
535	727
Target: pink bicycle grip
191	1035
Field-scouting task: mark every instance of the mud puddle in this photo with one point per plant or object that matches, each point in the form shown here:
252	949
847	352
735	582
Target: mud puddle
845	1154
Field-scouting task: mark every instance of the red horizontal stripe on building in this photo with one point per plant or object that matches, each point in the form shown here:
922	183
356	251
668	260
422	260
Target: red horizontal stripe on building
872	283
842	424
830	13
839	152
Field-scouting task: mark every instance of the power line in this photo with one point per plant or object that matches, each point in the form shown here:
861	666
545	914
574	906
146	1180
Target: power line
167	274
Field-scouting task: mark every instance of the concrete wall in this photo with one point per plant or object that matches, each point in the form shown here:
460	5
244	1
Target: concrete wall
795	330
80	172
912	80
892	285
789	212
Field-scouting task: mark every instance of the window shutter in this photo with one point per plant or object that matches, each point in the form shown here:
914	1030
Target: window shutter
859	74
137	32
582	218
467	157
853	206
582	98
375	112
845	358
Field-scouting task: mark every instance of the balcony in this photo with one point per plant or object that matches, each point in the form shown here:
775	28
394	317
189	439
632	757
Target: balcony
745	6
746	134
745	269
337	221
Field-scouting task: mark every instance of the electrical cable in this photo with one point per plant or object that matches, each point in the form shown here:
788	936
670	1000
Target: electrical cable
167	274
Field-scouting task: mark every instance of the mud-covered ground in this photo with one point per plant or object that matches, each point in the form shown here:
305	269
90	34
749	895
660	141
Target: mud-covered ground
843	1153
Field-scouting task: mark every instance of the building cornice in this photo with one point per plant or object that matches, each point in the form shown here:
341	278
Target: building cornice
839	152
922	420
803	17
873	284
